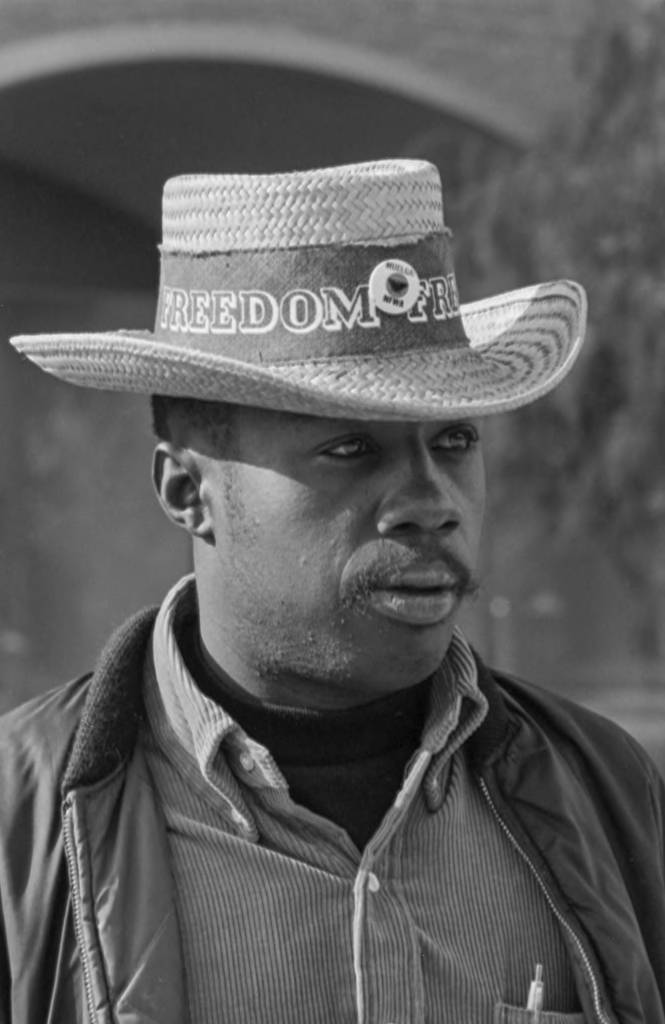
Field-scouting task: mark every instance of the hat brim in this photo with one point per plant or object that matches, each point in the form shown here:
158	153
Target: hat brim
522	345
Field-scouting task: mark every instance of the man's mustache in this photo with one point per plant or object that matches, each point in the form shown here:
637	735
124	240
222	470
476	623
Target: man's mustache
381	574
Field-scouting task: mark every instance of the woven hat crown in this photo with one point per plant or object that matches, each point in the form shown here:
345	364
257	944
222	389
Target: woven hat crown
386	202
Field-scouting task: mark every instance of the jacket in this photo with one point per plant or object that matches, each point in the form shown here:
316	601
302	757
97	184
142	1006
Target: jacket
88	929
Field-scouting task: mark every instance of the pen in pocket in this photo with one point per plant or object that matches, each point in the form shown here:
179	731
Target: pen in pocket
534	1003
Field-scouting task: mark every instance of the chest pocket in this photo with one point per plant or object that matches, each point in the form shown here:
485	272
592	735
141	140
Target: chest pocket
504	1014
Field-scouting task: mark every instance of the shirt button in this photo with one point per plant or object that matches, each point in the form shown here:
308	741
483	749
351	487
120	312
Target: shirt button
240	821
373	882
246	761
434	798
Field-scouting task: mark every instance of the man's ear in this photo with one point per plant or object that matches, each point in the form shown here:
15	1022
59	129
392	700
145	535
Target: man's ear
176	476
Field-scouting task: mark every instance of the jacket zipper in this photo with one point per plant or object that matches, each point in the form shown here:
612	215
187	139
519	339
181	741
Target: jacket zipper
597	1005
76	907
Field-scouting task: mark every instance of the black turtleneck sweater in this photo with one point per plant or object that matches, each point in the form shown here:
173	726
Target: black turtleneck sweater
346	765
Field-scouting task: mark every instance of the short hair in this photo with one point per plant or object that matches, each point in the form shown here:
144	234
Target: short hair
212	418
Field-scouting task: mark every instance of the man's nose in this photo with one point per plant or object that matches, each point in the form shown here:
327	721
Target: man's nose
421	497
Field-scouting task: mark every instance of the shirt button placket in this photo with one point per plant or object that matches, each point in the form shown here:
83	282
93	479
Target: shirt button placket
386	934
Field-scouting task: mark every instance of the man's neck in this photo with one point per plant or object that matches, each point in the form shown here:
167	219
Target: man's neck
320	735
346	765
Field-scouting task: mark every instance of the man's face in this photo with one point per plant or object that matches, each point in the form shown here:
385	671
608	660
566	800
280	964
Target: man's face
342	550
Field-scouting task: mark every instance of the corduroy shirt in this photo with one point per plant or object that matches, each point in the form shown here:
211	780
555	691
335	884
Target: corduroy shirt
285	921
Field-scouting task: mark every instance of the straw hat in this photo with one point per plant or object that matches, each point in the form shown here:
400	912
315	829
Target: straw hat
328	292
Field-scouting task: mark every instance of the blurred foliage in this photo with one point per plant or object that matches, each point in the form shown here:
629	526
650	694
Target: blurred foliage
589	203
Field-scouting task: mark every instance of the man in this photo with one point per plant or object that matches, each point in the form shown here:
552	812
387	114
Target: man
294	793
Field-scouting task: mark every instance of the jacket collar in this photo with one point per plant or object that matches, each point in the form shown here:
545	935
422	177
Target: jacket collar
487	741
113	709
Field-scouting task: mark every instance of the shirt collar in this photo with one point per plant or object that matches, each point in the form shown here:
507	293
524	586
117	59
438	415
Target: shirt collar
457	706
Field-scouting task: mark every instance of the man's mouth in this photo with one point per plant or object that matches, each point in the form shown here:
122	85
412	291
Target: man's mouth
422	592
426	577
419	604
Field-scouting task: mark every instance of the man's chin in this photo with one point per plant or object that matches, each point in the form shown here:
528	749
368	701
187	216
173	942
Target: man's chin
405	654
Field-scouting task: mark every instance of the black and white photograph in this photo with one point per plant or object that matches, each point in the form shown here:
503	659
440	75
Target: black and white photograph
332	512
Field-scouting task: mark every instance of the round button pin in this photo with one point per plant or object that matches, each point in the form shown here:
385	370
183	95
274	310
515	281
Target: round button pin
394	286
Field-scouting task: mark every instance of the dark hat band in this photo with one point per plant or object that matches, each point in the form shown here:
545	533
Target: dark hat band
311	302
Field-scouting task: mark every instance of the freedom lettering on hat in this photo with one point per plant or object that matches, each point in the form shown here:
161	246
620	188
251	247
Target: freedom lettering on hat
245	305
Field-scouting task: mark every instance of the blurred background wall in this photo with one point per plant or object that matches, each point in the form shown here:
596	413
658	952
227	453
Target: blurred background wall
526	106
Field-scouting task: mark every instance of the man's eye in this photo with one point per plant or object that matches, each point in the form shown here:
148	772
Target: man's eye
458	439
349	448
